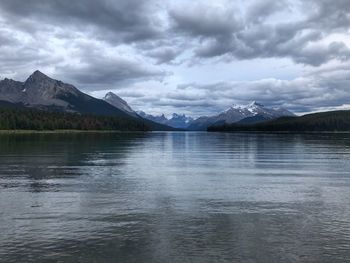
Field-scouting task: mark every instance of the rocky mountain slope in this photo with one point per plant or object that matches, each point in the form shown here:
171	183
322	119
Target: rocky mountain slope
119	103
44	93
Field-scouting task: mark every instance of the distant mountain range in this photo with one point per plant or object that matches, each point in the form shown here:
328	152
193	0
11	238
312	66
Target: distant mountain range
331	121
177	120
251	113
41	92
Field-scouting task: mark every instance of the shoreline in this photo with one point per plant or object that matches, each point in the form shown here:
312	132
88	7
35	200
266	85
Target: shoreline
283	132
64	131
119	131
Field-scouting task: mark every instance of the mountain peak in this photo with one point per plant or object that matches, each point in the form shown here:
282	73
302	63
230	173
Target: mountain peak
110	95
175	115
254	103
38	75
113	98
118	102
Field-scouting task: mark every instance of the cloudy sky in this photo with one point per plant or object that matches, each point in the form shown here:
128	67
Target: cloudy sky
193	57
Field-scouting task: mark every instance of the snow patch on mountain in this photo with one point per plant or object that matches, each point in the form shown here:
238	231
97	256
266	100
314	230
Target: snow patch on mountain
237	113
180	121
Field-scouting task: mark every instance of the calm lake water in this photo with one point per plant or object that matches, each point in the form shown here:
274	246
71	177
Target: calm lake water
175	197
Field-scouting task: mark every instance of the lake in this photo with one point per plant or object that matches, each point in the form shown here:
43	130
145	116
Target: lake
175	197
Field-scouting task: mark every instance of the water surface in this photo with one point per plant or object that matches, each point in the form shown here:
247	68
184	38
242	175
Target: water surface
174	197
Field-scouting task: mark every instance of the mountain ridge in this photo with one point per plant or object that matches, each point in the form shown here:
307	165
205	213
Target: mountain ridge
253	112
41	92
180	121
330	121
238	113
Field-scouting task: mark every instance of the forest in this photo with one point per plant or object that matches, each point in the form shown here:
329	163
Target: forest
332	121
20	119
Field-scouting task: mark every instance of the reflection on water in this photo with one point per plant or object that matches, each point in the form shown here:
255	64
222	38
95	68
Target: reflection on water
174	197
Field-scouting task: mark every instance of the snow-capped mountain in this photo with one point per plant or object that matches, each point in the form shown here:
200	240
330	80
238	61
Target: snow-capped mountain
180	121
251	113
119	103
156	118
239	113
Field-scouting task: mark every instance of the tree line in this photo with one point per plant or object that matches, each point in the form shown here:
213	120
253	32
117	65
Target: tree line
331	121
18	119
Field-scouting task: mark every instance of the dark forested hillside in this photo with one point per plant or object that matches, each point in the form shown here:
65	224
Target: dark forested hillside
324	121
18	119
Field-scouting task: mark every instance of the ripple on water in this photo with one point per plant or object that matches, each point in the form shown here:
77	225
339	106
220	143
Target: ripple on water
175	197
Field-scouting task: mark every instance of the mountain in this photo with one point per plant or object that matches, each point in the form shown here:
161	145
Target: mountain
119	103
180	121
159	118
44	93
331	121
253	112
252	120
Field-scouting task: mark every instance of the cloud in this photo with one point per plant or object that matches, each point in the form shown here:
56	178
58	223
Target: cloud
221	32
206	21
96	70
311	92
210	30
328	15
164	55
146	49
259	11
7	39
120	20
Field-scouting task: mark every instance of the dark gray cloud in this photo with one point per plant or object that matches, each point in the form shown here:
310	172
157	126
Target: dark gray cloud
96	70
221	33
7	39
259	11
201	20
105	72
283	41
328	14
164	54
117	20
